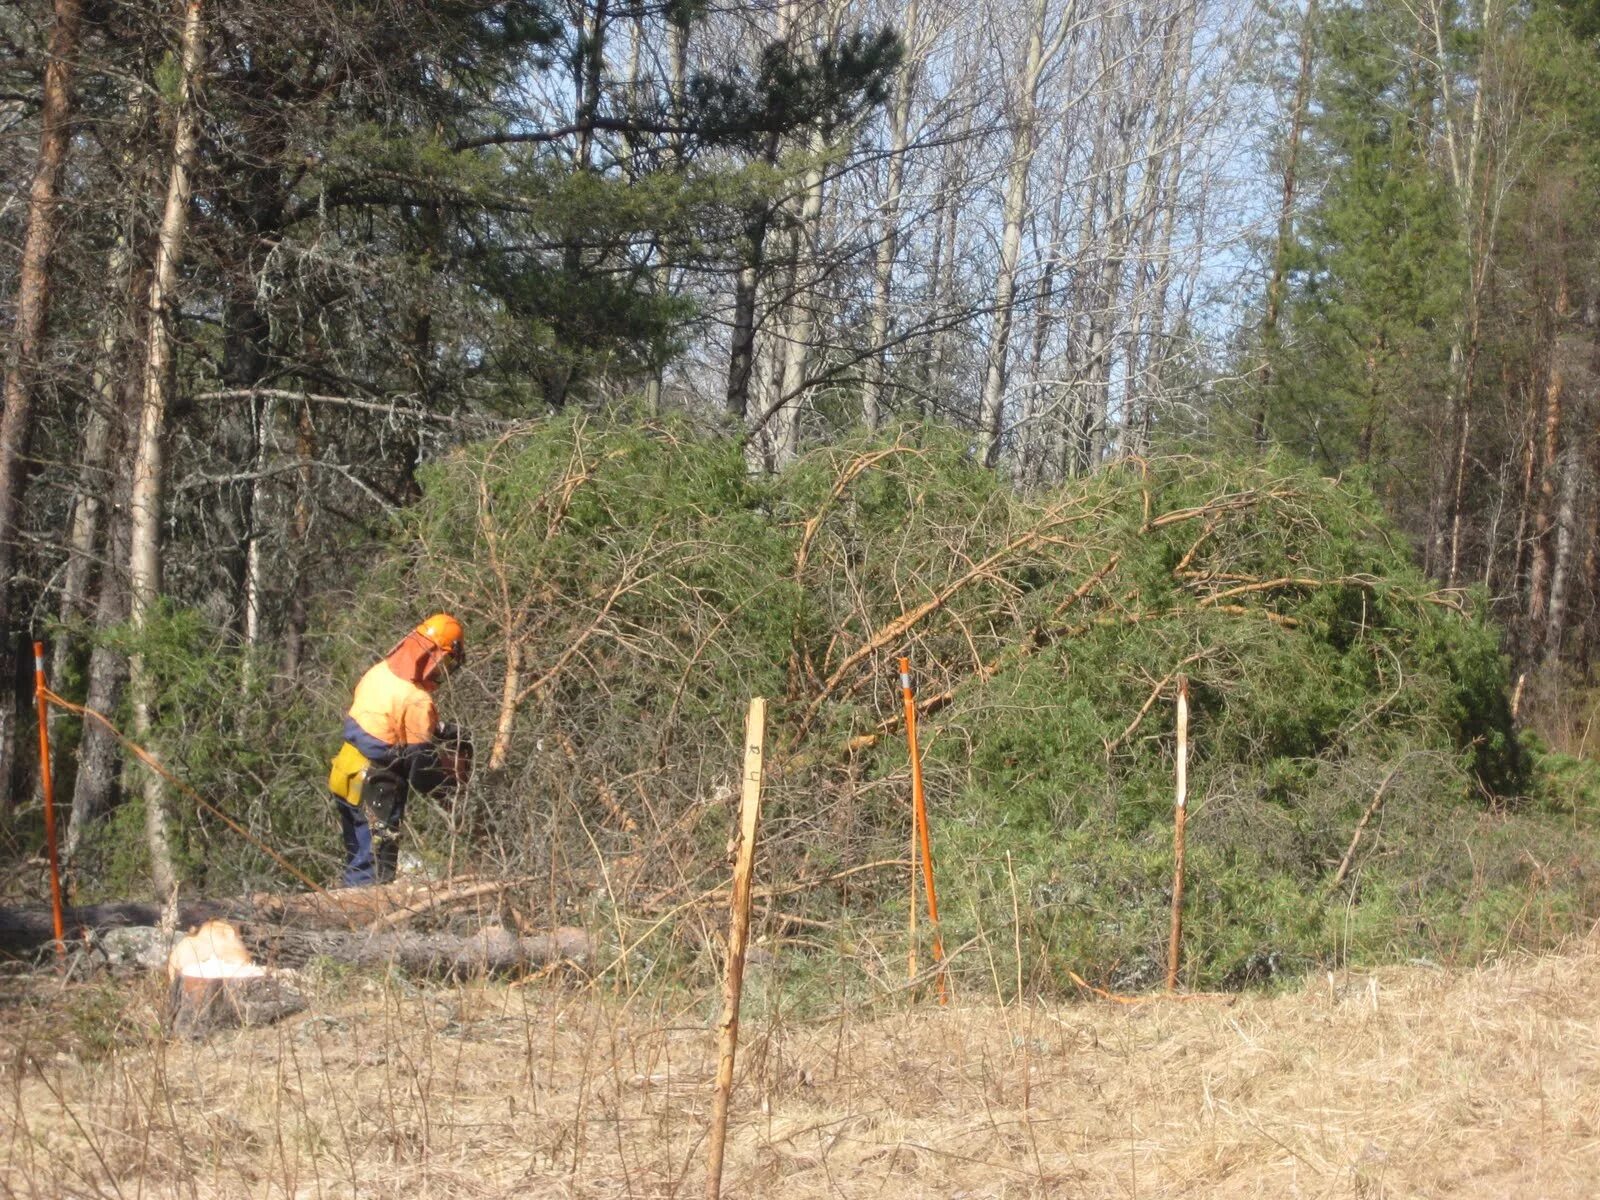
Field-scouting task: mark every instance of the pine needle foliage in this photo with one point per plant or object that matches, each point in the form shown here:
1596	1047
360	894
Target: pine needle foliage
628	585
637	584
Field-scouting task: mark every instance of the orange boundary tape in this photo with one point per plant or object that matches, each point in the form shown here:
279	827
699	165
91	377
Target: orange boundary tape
154	764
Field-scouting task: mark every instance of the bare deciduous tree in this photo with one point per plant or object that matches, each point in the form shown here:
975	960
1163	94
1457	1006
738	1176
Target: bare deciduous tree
148	471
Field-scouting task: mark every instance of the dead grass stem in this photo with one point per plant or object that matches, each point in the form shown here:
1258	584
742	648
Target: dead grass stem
1398	1082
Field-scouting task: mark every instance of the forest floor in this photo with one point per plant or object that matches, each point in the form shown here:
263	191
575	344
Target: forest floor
1401	1082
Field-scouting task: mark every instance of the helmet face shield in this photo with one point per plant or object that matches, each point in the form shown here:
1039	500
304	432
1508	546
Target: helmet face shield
453	658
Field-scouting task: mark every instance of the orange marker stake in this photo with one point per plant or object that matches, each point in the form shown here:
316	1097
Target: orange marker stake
911	910
47	784
920	832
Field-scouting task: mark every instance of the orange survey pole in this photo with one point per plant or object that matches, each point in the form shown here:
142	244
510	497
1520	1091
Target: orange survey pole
47	785
920	819
911	910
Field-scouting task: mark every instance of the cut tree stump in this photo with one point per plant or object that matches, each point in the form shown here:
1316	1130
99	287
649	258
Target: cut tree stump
199	1005
216	985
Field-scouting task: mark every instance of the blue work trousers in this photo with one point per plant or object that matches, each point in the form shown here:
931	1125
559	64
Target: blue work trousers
368	860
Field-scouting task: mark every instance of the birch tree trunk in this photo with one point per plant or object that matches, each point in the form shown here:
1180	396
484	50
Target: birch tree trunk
1470	159
99	756
928	357
1038	443
1014	211
1157	352
254	559
800	327
1520	541
102	437
116	392
1103	306
144	548
742	342
1155	221
991	416
1034	453
1566	528
781	408
1161	149
889	238
1543	503
105	429
32	307
83	530
946	231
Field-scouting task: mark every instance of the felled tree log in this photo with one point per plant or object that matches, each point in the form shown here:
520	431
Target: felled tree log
23	930
490	951
26	929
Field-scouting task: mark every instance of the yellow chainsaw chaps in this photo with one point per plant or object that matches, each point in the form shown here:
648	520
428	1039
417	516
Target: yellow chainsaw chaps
348	769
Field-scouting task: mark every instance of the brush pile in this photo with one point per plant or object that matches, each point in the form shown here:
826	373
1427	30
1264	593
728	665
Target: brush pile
628	586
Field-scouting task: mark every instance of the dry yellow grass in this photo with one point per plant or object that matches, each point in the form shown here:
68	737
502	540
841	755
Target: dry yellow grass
1404	1082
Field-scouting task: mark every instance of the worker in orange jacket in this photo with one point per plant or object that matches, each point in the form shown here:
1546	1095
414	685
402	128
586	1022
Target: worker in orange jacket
393	743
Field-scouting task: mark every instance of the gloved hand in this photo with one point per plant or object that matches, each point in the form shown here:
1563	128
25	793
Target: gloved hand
454	748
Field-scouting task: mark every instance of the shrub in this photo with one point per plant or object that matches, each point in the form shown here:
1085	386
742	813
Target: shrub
626	587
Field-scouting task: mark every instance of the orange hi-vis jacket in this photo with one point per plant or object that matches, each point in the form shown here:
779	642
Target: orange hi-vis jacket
391	712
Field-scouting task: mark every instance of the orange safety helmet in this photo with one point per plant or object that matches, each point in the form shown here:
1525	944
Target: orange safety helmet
429	651
444	631
450	645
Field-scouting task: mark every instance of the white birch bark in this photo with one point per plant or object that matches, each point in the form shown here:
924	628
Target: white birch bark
889	238
254	559
144	551
800	327
1566	539
1014	211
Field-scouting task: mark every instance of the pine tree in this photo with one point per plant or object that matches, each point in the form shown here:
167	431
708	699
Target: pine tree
1377	274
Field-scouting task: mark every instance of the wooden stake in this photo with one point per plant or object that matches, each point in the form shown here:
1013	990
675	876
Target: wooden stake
1180	814
47	785
919	806
755	728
